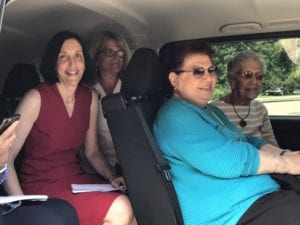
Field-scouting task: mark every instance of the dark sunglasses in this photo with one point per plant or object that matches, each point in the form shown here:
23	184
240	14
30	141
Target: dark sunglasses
248	75
111	53
199	72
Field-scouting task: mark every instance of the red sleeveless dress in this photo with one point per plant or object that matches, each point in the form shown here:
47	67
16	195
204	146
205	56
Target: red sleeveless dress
50	165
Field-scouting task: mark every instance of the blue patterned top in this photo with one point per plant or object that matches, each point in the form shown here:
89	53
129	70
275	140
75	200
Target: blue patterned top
4	175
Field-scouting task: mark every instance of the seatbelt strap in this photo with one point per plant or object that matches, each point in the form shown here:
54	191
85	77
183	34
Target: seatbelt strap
162	165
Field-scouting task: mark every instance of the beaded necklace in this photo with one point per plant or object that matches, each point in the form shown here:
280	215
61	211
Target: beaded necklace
177	96
215	116
222	123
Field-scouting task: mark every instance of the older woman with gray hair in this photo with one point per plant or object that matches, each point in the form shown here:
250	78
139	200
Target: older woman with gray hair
245	73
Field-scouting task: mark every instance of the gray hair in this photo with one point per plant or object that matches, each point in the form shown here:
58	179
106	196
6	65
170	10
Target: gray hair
234	66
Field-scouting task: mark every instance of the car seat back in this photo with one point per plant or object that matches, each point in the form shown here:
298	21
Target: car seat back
130	115
21	78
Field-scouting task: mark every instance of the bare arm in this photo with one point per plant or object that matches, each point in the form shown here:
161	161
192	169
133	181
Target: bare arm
271	149
266	128
29	109
7	138
93	153
272	162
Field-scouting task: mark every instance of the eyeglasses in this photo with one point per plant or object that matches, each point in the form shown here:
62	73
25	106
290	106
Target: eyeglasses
200	71
248	75
111	53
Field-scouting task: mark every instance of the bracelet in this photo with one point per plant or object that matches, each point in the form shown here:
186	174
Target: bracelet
4	168
283	151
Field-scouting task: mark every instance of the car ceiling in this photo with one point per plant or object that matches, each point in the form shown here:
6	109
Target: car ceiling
28	24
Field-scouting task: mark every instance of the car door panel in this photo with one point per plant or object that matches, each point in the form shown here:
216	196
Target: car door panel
286	130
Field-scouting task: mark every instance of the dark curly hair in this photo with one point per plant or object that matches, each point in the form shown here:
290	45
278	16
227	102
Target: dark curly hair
173	54
48	66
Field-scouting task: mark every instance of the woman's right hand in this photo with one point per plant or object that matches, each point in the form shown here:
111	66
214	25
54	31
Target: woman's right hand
118	182
7	138
290	162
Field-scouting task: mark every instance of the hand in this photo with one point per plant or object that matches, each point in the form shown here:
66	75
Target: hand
118	182
7	138
292	161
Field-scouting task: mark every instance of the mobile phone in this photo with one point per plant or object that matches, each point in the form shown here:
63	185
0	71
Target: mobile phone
7	121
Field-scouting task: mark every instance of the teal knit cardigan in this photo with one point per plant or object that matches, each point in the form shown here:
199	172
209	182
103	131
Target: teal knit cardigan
213	164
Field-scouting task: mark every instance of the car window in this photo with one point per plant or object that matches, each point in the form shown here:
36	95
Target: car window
281	88
2	6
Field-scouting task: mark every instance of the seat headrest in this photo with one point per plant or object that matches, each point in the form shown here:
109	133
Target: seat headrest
142	77
21	78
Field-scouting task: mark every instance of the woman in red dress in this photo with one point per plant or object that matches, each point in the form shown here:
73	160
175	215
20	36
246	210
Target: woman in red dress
57	117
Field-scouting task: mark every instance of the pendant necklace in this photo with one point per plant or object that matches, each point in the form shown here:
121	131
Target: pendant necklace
215	116
243	123
70	100
222	124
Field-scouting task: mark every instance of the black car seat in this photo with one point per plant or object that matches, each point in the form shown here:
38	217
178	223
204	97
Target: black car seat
130	115
21	78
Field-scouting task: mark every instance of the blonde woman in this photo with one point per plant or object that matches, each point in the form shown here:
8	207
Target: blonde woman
111	54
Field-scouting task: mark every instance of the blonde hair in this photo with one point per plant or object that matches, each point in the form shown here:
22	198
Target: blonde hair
100	41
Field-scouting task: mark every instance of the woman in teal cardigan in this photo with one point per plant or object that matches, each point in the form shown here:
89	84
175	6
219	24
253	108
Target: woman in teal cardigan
221	176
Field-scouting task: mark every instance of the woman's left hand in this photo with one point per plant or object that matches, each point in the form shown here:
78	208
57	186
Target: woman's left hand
118	182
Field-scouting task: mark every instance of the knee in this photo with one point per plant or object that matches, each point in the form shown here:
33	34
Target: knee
123	205
121	209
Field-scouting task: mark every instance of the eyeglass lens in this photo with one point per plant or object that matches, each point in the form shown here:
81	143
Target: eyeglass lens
110	52
201	71
248	75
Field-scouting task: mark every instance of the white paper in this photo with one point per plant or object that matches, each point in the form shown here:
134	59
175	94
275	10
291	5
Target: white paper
79	188
13	198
